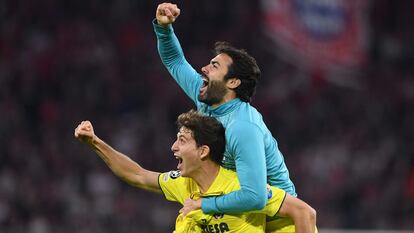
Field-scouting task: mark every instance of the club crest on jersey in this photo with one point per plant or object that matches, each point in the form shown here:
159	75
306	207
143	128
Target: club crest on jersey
269	192
175	174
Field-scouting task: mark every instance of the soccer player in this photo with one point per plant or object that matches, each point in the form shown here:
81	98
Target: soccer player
199	150
223	90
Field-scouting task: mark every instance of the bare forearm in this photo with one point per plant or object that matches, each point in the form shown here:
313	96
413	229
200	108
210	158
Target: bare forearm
125	168
305	222
303	216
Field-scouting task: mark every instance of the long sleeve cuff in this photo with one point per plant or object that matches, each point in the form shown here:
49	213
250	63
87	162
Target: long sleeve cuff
160	30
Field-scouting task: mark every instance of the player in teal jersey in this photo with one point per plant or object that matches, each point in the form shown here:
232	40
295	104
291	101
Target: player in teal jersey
223	90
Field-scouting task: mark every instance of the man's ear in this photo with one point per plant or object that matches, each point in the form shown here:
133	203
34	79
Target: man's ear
233	83
204	152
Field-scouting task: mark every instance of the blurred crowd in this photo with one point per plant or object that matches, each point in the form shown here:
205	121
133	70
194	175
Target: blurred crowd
348	147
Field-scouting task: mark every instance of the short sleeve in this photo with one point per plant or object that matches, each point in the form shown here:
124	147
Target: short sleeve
173	186
275	197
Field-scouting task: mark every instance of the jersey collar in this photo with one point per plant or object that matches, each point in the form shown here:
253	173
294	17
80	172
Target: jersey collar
224	108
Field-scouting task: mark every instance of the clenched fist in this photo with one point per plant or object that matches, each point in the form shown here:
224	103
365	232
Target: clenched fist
167	13
84	132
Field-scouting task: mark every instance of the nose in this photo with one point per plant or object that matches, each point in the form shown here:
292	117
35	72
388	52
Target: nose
204	69
174	147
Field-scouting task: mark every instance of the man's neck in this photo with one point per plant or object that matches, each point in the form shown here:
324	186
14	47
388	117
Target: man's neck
228	97
206	175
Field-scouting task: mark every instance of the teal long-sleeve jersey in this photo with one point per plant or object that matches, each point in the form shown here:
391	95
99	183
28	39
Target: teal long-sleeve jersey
251	150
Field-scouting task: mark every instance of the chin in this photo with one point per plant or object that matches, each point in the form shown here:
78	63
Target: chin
202	99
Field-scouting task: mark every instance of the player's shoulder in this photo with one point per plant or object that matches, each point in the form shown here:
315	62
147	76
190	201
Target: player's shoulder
242	126
174	174
248	109
246	114
171	178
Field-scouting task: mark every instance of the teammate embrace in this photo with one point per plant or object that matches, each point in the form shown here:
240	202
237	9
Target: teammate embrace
215	198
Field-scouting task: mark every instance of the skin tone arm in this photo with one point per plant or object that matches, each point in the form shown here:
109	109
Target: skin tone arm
120	164
303	216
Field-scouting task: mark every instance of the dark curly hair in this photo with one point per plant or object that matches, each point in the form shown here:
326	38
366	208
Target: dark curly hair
205	131
244	67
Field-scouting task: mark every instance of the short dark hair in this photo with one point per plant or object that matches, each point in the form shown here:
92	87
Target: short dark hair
244	67
205	131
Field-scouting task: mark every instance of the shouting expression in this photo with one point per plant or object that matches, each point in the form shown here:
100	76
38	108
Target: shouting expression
214	86
186	151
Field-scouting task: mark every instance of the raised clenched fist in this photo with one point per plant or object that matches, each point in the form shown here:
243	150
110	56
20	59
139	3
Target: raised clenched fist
167	13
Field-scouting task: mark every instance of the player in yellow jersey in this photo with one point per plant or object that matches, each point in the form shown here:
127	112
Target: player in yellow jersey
199	150
178	188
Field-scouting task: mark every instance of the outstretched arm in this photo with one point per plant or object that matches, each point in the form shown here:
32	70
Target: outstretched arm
120	164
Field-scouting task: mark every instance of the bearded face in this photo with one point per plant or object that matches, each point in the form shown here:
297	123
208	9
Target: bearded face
214	87
212	92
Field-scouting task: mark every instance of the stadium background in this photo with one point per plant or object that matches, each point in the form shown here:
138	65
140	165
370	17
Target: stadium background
349	148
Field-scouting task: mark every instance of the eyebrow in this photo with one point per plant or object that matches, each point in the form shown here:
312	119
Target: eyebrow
181	135
214	62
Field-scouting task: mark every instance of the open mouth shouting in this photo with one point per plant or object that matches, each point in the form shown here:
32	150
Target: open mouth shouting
204	87
180	162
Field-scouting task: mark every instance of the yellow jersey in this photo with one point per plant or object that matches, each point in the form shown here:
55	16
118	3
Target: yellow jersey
178	189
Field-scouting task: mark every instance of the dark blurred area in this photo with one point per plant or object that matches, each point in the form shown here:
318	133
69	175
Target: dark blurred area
348	148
